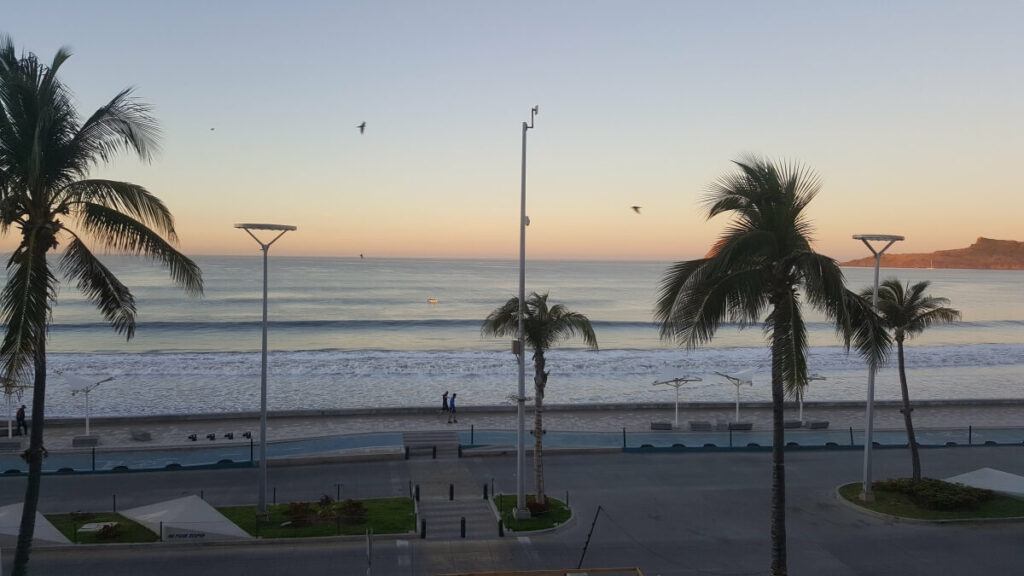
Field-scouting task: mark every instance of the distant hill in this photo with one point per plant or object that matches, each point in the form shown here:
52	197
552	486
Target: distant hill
984	254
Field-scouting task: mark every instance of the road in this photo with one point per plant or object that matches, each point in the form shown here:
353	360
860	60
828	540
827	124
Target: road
669	514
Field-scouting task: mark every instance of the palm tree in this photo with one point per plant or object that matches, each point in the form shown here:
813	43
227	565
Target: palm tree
46	154
544	327
761	269
906	311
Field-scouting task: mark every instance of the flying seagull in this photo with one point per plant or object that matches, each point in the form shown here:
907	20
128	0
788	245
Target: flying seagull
636	209
362	127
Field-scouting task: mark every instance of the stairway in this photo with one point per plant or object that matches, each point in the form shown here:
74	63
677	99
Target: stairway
421	444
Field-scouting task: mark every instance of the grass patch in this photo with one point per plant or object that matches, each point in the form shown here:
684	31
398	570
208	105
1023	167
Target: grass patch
304	520
556	514
126	530
891	498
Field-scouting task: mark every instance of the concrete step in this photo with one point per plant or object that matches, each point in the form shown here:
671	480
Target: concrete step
444	519
430	438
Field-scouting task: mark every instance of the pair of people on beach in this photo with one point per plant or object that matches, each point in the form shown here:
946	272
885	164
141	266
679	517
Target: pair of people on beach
448	406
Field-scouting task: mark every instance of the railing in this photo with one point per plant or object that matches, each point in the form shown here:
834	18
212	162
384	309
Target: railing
102	459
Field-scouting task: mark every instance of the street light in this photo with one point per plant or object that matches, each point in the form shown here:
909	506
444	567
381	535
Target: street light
869	416
85	388
800	393
677	383
519	346
265	247
744	378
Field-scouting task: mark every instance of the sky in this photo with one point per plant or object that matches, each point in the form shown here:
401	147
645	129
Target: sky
911	112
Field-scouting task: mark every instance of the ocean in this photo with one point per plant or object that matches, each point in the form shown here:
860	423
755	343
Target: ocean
349	333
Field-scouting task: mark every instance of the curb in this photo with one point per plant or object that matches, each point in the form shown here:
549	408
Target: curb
510	532
907	520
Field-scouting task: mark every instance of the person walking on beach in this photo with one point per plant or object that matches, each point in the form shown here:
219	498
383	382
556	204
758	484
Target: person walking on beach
444	402
451	410
20	416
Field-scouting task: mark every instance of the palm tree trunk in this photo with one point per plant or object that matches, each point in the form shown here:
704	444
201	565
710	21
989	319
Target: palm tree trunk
35	464
778	507
540	379
915	456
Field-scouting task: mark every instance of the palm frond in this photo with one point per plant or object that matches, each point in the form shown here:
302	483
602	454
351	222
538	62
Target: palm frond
25	307
787	332
503	321
125	197
100	286
868	334
124	234
123	124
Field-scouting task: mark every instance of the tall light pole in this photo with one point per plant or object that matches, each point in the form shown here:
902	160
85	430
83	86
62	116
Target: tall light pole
869	416
800	393
520	347
265	247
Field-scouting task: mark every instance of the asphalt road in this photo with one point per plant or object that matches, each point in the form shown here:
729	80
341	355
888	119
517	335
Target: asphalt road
669	514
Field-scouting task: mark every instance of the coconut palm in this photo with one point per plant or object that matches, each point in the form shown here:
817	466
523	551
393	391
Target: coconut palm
906	311
762	269
46	154
544	326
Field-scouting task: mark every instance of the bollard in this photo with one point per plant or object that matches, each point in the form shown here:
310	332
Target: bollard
566	498
423	529
501	529
462	526
485	491
201	495
472	434
851	435
623	437
730	437
275	495
416	495
406	452
338	490
434	453
94	459
460	450
970	435
492	485
410	488
161	531
451	491
115	503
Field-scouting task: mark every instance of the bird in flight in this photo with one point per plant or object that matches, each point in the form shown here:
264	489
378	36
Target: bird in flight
212	129
636	209
362	127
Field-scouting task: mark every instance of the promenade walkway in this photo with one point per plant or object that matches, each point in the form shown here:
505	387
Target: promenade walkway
174	431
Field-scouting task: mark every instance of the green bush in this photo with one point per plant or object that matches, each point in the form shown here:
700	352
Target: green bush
352	512
937	495
300	513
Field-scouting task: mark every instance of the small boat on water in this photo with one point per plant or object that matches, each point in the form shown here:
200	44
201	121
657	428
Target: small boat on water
432	300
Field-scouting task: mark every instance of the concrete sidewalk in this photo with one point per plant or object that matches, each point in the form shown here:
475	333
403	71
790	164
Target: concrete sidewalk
174	430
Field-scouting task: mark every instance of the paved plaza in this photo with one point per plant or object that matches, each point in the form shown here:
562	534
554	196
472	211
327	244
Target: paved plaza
670	514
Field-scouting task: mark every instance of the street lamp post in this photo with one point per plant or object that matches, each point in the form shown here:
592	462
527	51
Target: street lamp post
677	383
869	416
265	247
520	347
85	390
800	393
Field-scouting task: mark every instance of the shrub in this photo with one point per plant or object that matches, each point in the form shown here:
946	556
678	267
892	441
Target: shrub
300	513
935	494
352	512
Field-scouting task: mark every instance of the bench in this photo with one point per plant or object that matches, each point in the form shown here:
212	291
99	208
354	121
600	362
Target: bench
661	425
140	435
741	426
789	424
818	424
700	426
85	441
10	445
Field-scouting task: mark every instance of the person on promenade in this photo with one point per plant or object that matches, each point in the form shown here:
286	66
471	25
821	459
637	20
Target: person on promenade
444	402
22	426
451	410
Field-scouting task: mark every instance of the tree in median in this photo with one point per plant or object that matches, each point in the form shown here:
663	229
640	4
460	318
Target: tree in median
906	311
47	197
544	326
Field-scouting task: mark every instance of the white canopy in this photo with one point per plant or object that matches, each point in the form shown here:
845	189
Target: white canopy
45	533
992	479
188	518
